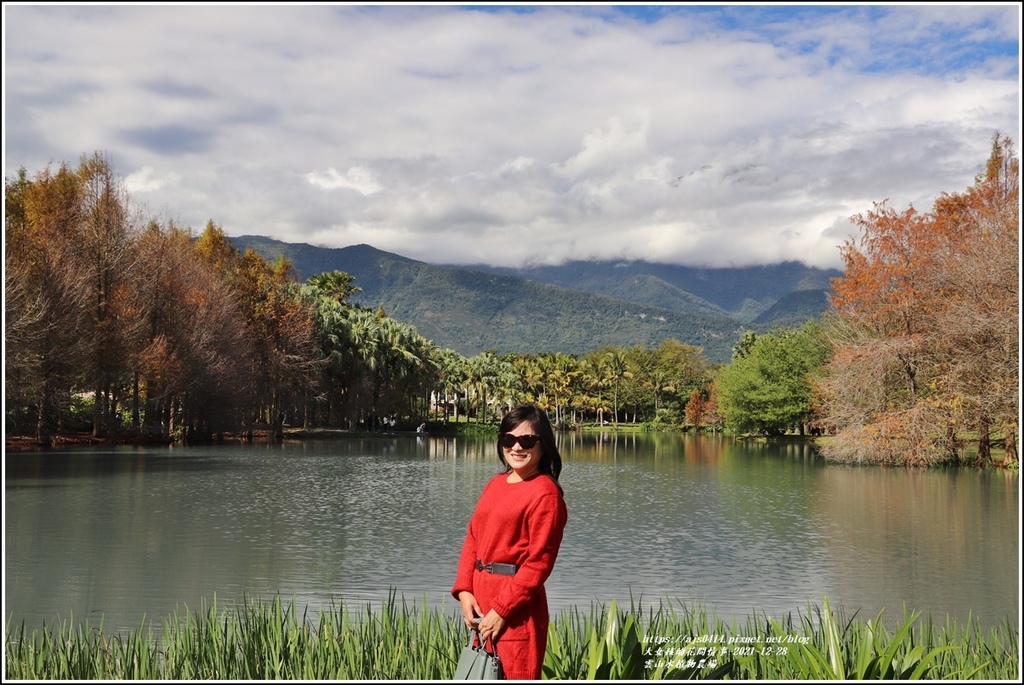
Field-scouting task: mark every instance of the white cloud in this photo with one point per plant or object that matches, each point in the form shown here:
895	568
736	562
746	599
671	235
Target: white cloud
148	180
356	178
715	135
607	146
514	165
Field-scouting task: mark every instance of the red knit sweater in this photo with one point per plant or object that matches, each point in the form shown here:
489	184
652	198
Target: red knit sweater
518	523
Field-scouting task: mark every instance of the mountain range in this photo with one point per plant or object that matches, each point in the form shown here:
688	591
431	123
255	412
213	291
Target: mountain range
575	307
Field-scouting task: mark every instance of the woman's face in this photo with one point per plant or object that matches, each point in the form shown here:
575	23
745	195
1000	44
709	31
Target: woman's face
524	461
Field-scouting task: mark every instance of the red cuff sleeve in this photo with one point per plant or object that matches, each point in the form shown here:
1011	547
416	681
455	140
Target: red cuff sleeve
467	564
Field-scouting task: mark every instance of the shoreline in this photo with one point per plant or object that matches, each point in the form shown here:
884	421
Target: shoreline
26	443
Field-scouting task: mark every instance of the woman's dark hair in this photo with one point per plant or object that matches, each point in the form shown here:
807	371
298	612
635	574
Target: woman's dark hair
550	459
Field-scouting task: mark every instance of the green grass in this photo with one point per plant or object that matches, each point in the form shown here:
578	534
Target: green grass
262	640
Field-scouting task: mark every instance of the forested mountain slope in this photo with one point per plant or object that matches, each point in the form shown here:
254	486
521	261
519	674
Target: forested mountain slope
744	293
475	309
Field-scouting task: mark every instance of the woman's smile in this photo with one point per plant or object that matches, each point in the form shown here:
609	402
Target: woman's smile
520	458
524	462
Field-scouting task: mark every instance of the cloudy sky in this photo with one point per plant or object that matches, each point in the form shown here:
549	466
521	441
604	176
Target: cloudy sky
693	134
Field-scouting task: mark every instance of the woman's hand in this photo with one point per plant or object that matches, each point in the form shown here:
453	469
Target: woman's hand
490	626
470	609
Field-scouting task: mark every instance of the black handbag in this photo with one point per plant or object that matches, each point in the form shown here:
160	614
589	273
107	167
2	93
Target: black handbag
477	662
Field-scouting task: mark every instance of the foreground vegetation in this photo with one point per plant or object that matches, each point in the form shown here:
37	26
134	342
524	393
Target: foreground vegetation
271	640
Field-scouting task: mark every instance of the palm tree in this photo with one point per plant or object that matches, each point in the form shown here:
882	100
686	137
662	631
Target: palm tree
452	369
617	370
484	373
564	374
593	380
659	382
335	285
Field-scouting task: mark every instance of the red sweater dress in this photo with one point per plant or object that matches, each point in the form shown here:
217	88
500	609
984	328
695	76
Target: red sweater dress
516	523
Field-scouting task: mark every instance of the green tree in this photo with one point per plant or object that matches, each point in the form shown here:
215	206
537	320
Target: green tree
744	345
618	371
769	390
336	285
685	369
594	380
451	378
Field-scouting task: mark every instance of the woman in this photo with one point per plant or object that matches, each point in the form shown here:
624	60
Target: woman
511	545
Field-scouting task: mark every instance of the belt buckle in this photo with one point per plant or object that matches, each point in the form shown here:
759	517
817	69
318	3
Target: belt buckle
500	568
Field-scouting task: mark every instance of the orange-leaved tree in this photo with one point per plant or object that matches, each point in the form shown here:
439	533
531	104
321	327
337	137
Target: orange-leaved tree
925	327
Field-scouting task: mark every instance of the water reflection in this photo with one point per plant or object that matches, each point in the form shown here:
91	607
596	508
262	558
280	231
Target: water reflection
743	527
908	534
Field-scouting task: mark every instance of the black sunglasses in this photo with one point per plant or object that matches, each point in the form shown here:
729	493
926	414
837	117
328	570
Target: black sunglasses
507	440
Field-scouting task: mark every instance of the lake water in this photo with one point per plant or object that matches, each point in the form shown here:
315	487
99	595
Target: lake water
130	533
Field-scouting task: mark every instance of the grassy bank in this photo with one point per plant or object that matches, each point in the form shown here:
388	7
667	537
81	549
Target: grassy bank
397	641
